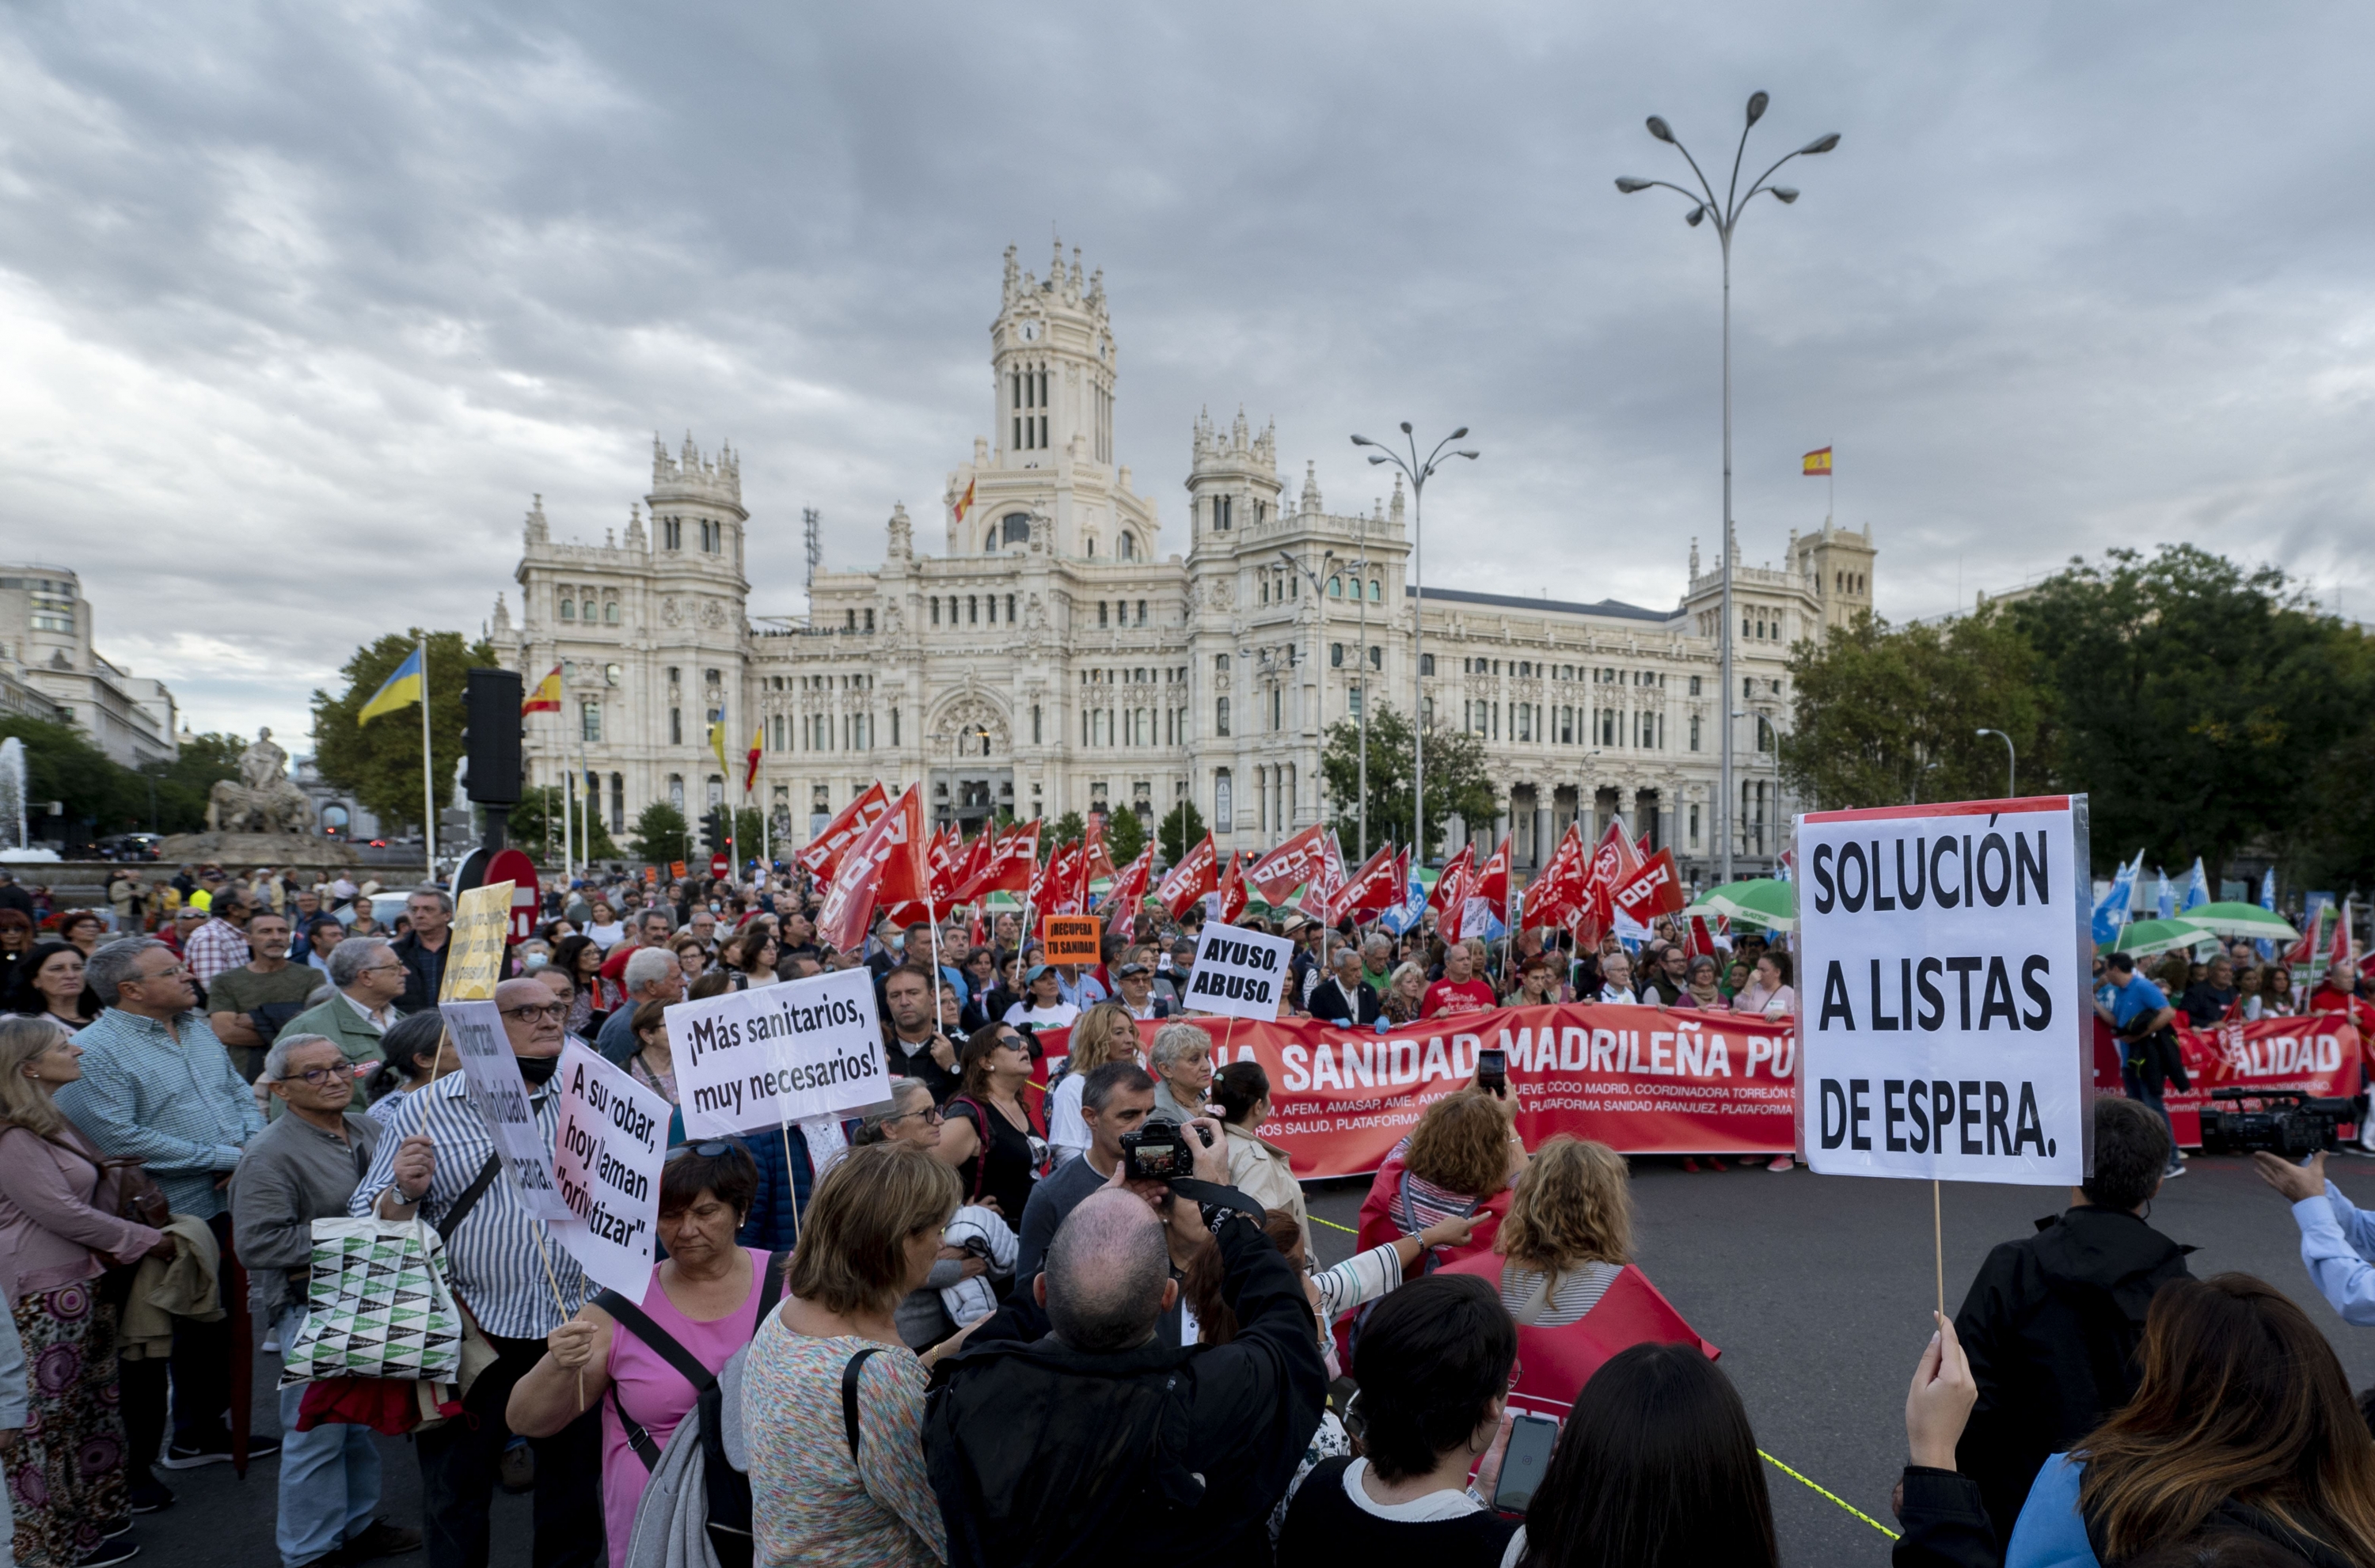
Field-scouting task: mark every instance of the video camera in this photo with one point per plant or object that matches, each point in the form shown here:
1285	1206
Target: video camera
2290	1123
1159	1151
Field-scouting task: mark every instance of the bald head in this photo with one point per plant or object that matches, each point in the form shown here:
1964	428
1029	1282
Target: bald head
1108	1273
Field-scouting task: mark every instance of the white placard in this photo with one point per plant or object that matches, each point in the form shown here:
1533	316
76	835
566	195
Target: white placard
1237	972
760	1058
606	1154
1944	1005
491	1075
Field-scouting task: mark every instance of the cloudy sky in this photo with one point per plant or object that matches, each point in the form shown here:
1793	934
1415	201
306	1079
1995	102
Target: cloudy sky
301	304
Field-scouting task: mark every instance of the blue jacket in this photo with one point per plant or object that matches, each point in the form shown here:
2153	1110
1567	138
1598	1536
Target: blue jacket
773	1223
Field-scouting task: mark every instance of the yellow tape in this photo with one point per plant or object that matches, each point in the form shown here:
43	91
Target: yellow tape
1333	1226
1834	1497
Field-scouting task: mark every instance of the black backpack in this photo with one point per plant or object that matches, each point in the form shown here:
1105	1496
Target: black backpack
728	1488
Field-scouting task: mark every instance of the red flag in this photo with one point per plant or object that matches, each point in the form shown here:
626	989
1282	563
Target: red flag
1013	865
1613	861
1654	888
2338	958
1702	940
1234	896
2301	954
1320	898
824	851
947	863
1096	862
858	877
964	882
906	873
750	758
1492	884
1371	891
1058	889
1445	890
1190	881
1557	895
1128	892
1290	864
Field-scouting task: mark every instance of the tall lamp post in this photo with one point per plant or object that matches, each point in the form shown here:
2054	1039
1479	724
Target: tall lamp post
1726	216
1417	473
1319	614
2012	763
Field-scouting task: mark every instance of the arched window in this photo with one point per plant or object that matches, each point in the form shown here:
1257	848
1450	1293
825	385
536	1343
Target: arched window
610	612
1015	527
1129	545
1376	590
989	541
569	610
1093	545
1335	587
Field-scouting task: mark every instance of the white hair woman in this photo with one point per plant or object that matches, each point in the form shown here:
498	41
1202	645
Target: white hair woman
1181	1061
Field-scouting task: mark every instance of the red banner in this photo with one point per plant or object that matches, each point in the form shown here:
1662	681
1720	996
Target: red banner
2315	1053
1643	1080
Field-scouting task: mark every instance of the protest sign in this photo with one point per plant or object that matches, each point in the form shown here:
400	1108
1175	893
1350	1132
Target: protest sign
1942	991
607	1152
1237	972
1070	938
492	1077
473	953
778	1054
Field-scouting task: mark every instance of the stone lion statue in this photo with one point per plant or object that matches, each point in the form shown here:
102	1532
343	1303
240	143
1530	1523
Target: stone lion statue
262	799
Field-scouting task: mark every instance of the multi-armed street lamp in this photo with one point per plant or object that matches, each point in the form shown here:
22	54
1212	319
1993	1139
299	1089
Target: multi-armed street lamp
1417	473
1725	216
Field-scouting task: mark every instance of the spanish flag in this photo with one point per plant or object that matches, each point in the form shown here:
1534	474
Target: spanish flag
751	768
545	697
964	502
1818	463
401	689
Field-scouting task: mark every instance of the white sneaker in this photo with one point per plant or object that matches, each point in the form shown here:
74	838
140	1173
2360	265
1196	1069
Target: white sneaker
2175	1169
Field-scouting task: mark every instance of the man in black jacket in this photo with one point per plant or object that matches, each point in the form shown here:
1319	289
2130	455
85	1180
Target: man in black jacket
1342	999
2052	1323
1093	1439
429	915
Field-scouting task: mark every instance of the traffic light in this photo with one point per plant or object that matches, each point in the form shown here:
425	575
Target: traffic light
714	835
490	736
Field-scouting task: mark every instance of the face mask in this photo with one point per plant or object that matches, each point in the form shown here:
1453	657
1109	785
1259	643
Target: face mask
538	1071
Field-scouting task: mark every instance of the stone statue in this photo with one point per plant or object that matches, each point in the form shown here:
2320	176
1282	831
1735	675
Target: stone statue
261	800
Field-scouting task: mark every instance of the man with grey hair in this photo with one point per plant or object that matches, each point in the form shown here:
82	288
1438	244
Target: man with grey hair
302	1168
1341	999
422	949
368	978
1378	962
1067	1419
650	974
157	1087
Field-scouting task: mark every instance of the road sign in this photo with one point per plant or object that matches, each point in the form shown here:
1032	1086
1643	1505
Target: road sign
514	866
718	866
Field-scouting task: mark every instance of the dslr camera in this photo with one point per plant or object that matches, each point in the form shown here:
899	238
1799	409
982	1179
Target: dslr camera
1160	1152
2288	1123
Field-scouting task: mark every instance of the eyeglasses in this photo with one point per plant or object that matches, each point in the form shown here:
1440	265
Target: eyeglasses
714	1148
316	1077
556	1012
930	1114
392	967
168	972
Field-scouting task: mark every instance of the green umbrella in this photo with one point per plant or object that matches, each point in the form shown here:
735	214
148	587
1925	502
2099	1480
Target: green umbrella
2237	919
1761	901
2144	937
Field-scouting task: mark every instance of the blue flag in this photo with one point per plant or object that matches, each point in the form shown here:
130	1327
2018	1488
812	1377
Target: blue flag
2197	888
2164	901
2268	949
2111	914
1403	918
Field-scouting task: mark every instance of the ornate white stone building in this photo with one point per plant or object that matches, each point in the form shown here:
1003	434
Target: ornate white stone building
1062	653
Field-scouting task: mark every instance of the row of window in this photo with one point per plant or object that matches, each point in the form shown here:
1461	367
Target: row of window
975	607
1133	726
1376	588
1336	656
709	534
1140	677
1120	608
604	608
1221	512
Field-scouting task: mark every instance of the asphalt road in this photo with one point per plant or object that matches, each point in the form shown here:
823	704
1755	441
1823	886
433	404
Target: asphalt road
1818	1289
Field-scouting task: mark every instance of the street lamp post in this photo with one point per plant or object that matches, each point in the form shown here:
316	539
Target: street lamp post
1726	215
1417	473
1361	690
1318	681
2012	763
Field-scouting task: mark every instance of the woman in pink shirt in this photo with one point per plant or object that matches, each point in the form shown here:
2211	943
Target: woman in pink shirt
54	1244
701	1305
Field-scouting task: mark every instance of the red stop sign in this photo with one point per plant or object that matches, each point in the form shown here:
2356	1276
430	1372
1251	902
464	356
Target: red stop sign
514	865
718	866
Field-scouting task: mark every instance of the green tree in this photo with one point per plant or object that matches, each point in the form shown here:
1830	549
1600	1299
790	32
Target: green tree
1457	781
2198	700
1881	712
183	783
380	762
1125	835
1180	830
99	795
748	825
1064	830
660	835
536	826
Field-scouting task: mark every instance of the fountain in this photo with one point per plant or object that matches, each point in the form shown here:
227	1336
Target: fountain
13	843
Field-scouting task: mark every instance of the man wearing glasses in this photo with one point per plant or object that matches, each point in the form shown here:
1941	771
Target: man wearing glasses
302	1168
436	1162
157	1087
369	978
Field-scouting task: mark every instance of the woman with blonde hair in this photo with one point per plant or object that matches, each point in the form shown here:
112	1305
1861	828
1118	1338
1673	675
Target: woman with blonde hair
1456	1164
870	1237
1405	995
1104	1034
1568	1234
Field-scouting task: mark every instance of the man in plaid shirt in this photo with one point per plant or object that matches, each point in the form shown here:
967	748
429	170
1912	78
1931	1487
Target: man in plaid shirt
222	942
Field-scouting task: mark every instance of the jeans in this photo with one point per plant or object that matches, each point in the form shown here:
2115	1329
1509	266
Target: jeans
2152	1100
457	1474
329	1477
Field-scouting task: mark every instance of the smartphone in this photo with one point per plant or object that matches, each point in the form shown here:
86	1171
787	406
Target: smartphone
1493	1069
1524	1462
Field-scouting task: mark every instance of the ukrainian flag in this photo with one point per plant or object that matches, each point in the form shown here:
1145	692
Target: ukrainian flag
401	689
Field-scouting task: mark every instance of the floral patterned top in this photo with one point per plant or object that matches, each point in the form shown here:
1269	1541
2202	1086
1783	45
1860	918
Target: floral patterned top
810	1503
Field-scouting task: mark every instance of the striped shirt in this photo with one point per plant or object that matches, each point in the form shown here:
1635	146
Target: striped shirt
168	1098
213	948
1576	1292
496	1261
1363	1276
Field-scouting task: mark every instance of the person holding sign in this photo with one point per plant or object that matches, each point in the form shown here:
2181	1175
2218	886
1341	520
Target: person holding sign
636	1360
440	1162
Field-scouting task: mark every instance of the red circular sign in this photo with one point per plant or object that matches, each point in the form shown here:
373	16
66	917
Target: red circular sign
514	865
718	866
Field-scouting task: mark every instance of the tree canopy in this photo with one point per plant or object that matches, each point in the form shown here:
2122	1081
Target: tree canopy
379	763
1457	780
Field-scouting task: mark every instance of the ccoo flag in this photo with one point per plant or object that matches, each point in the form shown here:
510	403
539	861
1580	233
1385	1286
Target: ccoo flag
1817	463
399	690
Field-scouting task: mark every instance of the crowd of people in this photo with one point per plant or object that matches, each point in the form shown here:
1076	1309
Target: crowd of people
1059	1296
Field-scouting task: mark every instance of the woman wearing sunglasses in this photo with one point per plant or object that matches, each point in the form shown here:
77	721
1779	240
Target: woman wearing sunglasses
702	1305
971	1243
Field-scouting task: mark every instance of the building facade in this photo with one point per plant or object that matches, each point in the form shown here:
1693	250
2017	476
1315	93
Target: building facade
1060	653
46	657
